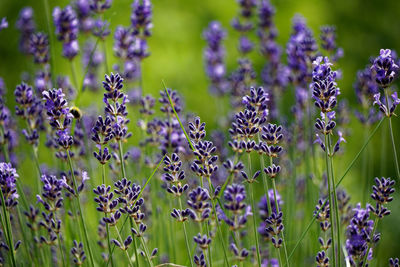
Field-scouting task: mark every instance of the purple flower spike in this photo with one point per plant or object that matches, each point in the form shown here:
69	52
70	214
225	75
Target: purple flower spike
385	69
8	179
3	24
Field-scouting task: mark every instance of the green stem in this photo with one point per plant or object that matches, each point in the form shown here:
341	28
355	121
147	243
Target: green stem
186	236
254	211
105	214
61	249
9	235
73	73
337	184
52	42
80	209
336	202
331	205
392	136
122	242
218	226
264	176
121	158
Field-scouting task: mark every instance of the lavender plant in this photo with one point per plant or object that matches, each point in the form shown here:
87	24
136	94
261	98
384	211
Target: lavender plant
270	126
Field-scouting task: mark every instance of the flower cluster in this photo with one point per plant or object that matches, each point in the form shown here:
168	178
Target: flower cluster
322	213
59	116
8	180
26	25
382	191
385	70
359	234
328	42
243	24
248	123
214	57
3	24
325	94
174	176
29	107
67	28
39	47
51	198
234	196
365	88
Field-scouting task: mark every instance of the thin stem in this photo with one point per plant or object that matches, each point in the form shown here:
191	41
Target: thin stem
392	136
121	158
51	45
80	208
336	202
264	176
186	236
254	211
61	249
337	184
105	214
8	229
331	205
278	210
122	242
218	226
73	72
105	55
146	250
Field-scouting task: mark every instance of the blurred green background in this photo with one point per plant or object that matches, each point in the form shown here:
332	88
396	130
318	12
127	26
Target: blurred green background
363	27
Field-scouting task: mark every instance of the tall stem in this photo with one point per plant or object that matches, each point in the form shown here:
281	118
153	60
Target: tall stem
218	226
264	176
80	209
122	242
61	249
331	206
392	136
121	157
105	214
186	236
253	210
278	210
9	235
336	202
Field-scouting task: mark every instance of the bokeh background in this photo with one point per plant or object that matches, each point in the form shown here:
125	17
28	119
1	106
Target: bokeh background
363	27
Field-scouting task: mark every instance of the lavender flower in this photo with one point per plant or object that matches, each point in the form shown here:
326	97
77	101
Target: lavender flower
67	28
101	29
78	253
385	69
234	196
99	6
85	18
3	24
322	213
39	47
359	235
26	26
174	176
394	262
52	193
382	191
60	118
214	57
324	94
8	180
29	108
141	17
365	88
328	42
199	202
